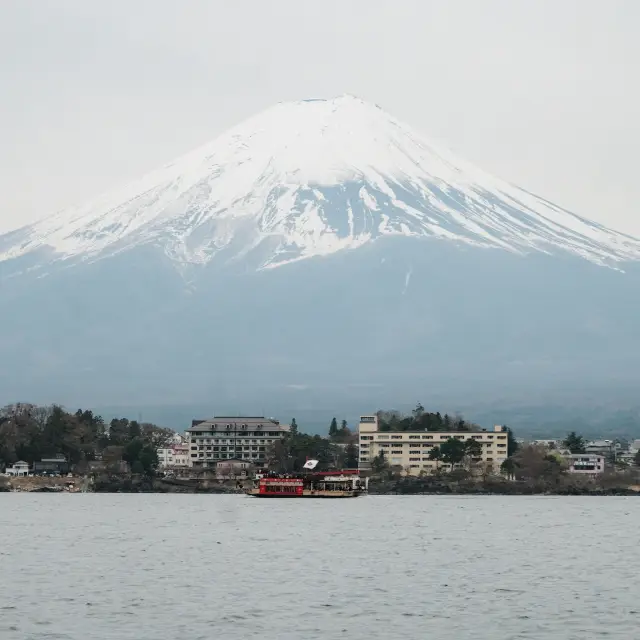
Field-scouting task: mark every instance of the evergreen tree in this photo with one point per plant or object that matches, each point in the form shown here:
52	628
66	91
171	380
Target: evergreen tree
574	443
333	428
379	463
118	432
512	443
351	456
293	429
134	430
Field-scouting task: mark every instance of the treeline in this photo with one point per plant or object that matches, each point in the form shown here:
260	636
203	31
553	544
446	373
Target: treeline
339	450
421	420
29	432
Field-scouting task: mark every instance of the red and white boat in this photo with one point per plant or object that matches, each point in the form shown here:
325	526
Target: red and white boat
342	483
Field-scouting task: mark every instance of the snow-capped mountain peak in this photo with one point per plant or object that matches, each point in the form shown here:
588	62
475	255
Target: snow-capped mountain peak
314	177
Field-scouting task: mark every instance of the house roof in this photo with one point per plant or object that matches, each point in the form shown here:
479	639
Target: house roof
236	422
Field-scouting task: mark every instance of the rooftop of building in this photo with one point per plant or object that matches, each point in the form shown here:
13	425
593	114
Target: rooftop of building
237	422
575	456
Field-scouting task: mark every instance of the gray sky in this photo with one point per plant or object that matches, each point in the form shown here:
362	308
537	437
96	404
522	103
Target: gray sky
544	93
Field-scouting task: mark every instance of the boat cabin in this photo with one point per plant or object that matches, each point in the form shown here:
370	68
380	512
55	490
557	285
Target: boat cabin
281	486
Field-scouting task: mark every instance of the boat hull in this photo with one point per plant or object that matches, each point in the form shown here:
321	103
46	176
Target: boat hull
307	493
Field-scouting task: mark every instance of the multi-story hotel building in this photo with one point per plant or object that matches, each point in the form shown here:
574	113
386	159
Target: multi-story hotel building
238	438
410	449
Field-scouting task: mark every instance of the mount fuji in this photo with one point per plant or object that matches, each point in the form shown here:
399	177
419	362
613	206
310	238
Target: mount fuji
319	249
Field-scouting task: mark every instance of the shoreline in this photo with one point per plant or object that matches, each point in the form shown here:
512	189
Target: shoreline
225	490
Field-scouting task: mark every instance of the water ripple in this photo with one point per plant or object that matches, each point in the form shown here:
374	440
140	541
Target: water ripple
149	567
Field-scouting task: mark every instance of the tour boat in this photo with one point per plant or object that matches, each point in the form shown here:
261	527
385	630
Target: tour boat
344	483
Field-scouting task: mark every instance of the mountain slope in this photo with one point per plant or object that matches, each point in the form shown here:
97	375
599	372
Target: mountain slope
308	179
225	277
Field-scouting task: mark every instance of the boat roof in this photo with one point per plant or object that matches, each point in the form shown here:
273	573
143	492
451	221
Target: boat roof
338	472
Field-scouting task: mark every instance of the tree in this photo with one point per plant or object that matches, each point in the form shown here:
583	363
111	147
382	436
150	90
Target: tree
472	450
418	412
512	443
293	428
388	420
333	427
453	451
157	437
436	455
636	458
135	430
351	456
141	455
575	443
508	468
379	463
291	452
118	432
535	465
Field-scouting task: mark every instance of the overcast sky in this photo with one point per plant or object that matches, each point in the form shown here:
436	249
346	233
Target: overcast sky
543	93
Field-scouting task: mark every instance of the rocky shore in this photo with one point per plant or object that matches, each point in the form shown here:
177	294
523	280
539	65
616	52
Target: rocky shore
495	486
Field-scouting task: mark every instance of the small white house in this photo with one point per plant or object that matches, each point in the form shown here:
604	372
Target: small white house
20	468
591	464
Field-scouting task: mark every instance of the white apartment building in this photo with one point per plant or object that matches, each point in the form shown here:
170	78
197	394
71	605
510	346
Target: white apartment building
174	455
233	437
410	449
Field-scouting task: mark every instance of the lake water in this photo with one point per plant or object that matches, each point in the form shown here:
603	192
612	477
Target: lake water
163	567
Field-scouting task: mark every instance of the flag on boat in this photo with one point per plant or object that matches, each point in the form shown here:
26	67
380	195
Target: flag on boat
310	464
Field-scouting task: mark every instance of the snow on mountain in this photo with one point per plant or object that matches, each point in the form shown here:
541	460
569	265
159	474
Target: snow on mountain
314	177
